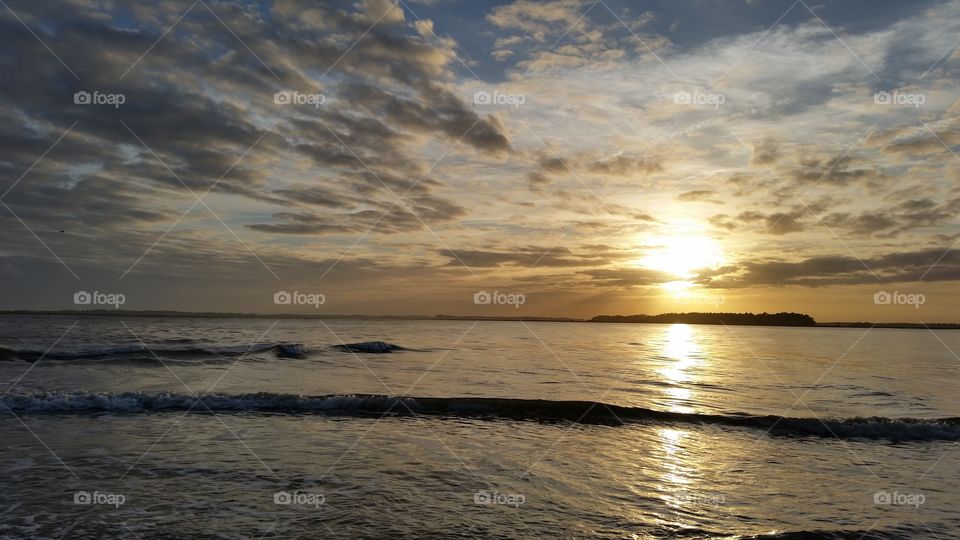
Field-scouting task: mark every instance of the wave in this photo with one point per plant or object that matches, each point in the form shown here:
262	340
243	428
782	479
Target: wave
891	533
373	347
128	352
132	352
584	412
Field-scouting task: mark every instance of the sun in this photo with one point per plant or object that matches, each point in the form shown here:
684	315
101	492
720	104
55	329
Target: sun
683	256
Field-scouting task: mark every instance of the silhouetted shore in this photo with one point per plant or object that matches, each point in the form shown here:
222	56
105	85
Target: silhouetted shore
752	319
731	319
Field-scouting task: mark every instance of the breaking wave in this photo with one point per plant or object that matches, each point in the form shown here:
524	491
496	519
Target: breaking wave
586	412
139	351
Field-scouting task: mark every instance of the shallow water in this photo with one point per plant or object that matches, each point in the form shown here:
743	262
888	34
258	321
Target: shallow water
569	429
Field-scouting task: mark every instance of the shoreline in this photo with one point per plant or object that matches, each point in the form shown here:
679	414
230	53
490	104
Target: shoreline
230	315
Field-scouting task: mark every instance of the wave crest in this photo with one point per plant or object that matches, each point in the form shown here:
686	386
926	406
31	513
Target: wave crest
586	412
124	352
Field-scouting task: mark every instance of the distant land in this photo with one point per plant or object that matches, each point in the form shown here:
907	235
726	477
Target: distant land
741	319
753	319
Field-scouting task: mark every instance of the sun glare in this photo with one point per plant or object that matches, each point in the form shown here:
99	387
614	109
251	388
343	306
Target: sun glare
682	256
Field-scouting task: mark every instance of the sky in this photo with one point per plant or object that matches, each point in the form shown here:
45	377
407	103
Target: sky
565	159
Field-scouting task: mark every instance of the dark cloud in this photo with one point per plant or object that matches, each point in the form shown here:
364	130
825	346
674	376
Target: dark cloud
838	171
765	153
555	165
524	257
908	215
777	223
625	278
623	165
705	195
928	265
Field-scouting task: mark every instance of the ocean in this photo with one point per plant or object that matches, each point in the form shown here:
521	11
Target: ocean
182	427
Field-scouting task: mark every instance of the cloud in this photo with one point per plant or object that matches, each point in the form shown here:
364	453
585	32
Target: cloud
705	195
899	267
525	257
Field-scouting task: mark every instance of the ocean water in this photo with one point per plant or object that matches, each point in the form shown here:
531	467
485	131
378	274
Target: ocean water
257	428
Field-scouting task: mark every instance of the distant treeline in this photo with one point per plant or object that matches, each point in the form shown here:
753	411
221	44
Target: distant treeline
757	319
